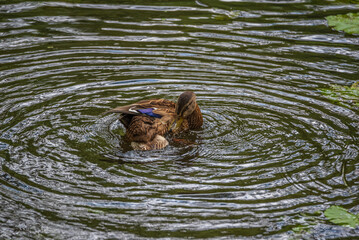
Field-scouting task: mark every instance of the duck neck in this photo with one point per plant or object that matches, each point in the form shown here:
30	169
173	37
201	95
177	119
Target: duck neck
195	120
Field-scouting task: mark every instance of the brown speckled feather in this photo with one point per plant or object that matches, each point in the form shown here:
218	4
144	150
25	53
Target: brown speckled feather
195	120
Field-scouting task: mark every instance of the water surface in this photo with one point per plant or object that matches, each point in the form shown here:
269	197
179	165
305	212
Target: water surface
272	155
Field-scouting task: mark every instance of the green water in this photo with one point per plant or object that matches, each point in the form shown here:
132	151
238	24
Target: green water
273	153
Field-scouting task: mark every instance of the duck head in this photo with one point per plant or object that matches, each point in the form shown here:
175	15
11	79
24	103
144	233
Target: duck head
185	106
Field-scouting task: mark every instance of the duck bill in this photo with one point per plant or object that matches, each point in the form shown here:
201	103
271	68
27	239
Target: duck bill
178	125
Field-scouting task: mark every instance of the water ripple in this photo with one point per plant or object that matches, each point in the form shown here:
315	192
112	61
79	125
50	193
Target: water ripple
272	149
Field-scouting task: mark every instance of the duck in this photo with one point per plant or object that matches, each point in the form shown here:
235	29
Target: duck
148	121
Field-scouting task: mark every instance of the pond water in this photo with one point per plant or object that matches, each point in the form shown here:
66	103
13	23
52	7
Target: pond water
273	153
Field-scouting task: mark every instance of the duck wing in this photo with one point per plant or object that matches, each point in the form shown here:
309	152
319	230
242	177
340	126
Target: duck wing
154	108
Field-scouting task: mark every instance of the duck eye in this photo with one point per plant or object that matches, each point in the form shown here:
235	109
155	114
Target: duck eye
184	110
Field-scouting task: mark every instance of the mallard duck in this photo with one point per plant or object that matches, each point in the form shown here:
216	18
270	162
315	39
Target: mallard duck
147	121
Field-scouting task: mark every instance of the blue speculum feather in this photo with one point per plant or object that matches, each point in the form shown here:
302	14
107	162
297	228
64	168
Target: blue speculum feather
149	112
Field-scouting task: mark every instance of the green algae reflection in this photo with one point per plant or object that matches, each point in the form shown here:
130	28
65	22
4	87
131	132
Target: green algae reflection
344	95
348	23
341	216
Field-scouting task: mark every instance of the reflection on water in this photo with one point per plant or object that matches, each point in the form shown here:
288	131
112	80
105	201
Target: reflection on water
272	155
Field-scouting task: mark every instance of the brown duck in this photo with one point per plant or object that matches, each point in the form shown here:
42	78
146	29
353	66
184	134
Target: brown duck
147	121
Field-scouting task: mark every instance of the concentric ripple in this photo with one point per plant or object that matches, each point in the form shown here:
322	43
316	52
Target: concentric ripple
273	152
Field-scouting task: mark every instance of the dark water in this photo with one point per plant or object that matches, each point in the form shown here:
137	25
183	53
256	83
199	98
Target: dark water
272	155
